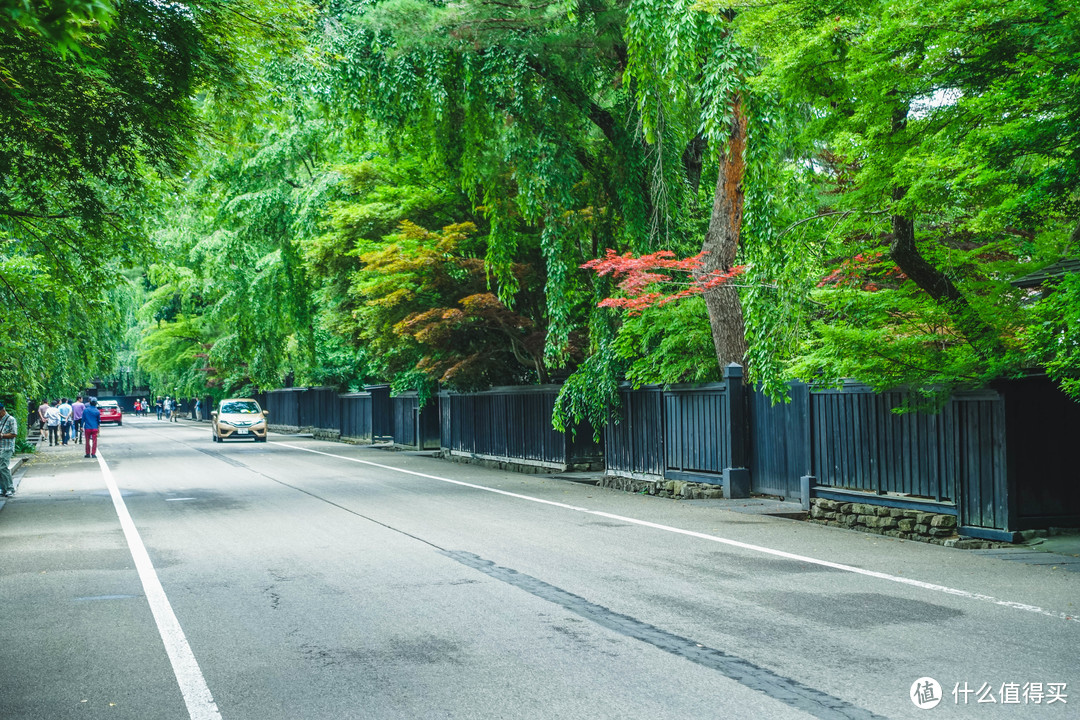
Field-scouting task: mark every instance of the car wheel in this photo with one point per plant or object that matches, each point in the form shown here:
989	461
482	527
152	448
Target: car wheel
119	424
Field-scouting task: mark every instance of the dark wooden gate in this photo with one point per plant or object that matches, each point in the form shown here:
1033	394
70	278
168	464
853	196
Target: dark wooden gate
780	442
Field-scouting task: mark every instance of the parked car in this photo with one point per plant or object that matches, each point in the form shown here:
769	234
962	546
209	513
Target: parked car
111	412
238	419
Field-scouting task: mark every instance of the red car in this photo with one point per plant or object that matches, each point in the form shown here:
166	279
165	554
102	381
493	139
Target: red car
111	412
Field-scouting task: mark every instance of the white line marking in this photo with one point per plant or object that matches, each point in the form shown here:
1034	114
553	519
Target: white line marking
200	703
175	499
714	538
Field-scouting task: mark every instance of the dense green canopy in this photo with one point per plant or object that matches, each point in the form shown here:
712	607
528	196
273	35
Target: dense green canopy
233	196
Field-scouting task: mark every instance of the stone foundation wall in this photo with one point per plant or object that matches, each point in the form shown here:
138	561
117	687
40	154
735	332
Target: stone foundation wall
519	467
930	527
663	488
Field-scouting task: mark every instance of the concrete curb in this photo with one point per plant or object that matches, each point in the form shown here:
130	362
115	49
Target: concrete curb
14	465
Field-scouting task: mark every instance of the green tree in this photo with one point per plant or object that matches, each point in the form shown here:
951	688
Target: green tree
942	139
96	113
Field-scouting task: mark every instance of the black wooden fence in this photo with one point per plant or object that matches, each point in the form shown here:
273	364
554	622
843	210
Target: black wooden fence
356	419
998	459
372	415
513	424
682	432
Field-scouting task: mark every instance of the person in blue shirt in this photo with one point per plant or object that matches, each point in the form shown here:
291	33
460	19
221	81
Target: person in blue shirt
91	427
65	420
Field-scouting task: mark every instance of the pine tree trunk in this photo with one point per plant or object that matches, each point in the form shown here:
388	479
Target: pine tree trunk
722	242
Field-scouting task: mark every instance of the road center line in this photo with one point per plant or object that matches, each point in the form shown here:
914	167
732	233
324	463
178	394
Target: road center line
715	538
200	703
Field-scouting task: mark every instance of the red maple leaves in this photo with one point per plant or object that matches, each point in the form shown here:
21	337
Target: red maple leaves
641	275
870	272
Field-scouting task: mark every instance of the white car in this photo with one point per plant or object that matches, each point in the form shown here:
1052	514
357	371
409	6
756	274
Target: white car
238	419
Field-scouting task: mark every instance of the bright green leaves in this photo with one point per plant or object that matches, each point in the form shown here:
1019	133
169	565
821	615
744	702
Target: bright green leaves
1052	338
96	117
957	117
522	104
65	24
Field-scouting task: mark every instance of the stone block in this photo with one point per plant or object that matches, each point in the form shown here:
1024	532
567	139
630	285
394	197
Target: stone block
922	528
845	508
865	519
863	509
826	504
965	543
882	511
906	524
943	521
912	515
924	518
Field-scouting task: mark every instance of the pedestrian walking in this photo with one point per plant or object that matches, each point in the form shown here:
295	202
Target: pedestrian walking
168	405
196	415
138	407
160	407
176	411
91	427
65	420
42	409
9	429
77	408
52	422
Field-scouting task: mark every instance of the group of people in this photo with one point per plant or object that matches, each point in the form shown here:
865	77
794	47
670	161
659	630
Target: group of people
168	408
62	419
165	407
66	421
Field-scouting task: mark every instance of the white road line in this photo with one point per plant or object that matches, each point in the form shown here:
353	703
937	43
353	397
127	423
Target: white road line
200	703
714	538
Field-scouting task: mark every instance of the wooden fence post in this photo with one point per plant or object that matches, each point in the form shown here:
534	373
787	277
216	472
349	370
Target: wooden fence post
736	480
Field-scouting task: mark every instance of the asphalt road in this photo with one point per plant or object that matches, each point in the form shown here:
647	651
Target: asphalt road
310	580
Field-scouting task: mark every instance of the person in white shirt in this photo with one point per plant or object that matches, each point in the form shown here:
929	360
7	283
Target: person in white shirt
52	422
65	420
